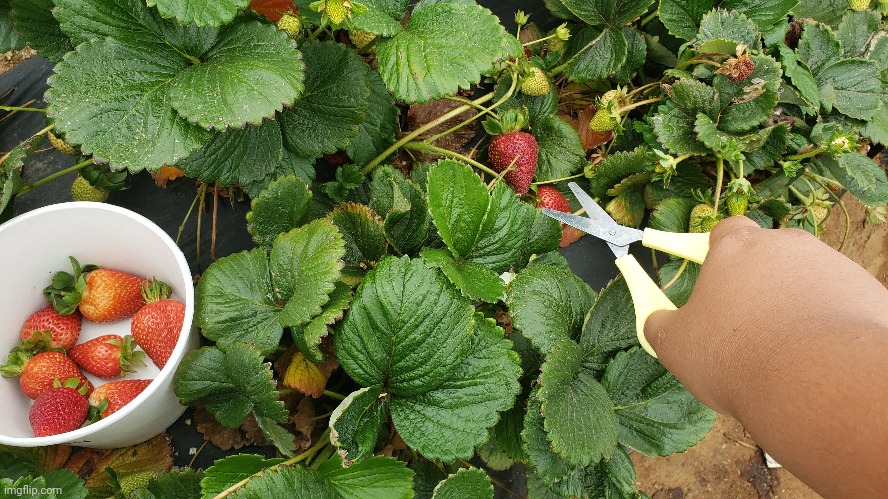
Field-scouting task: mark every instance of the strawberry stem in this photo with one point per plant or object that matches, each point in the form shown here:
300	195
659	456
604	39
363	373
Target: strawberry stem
720	177
369	167
423	147
334	395
630	107
322	441
844	209
806	155
32	109
681	269
483	110
29	187
562	179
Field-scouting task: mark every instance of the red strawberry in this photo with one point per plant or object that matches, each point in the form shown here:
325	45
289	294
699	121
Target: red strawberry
63	330
552	198
39	371
520	147
102	295
157	325
59	409
107	356
513	149
116	394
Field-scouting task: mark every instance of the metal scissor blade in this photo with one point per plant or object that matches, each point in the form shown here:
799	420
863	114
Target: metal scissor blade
593	211
615	234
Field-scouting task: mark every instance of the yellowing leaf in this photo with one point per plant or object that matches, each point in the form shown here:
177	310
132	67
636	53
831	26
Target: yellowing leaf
305	376
155	454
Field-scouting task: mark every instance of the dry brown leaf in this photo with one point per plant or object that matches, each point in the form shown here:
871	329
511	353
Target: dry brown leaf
155	454
165	174
304	420
421	114
223	438
589	138
252	431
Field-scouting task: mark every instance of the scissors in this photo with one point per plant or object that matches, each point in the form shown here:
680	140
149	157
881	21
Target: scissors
646	294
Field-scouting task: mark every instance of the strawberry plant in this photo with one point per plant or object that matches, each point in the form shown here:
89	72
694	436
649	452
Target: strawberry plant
403	287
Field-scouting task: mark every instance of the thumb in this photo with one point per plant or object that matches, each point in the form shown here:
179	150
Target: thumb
658	328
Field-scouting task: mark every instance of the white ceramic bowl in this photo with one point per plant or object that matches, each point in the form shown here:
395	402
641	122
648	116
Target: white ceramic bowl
37	244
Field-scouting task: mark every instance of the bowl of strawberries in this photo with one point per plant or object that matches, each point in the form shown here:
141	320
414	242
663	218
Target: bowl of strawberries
97	304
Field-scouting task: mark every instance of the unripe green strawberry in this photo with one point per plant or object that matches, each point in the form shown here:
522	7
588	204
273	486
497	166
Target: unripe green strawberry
536	83
602	121
360	38
336	10
290	24
703	218
611	95
737	204
883	7
82	190
62	146
820	211
858	5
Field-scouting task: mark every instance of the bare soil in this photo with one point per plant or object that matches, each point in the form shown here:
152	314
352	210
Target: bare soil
9	59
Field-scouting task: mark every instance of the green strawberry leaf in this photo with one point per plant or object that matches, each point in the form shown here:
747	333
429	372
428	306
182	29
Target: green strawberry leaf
548	303
309	338
825	11
545	463
561	152
333	104
279	208
477	226
853	86
379	130
543	236
694	96
426	477
656	415
251	296
721	31
237	155
276	435
856	32
290	164
578	414
679	292
601	58
474	280
672	214
819	47
860	175
607	12
182	482
287	481
408	329
877	127
628	207
230	470
617	167
402	203
70	485
364	235
231	383
636	54
305	264
200	12
458	202
771	151
609	327
11	181
683	17
355	425
9	37
428	59
800	77
538	107
375	478
141	129
675	130
382	17
35	23
467	482
234	85
85	20
449	421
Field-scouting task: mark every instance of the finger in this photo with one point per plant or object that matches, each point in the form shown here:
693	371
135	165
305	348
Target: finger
656	328
730	225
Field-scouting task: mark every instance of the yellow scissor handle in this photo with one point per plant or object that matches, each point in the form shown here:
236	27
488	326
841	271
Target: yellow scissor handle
646	296
694	247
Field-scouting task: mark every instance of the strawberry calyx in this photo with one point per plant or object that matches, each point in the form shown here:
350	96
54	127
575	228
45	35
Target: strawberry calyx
16	361
95	412
155	290
129	356
67	288
510	120
40	341
73	383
